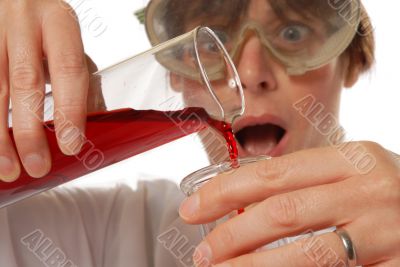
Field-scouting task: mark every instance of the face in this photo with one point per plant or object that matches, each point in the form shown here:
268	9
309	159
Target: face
271	124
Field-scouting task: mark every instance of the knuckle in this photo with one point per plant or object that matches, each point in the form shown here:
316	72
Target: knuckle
362	155
60	10
63	5
26	133
385	189
58	7
273	170
25	77
388	185
284	210
371	147
70	104
223	192
70	63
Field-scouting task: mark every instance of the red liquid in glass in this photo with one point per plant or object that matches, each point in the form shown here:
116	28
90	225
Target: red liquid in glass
112	137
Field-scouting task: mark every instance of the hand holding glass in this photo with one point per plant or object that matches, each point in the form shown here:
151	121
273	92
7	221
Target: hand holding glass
177	88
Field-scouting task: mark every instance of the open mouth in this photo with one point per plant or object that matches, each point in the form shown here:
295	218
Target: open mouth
260	139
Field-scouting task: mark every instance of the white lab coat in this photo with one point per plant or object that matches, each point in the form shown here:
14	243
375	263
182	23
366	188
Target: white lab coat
114	226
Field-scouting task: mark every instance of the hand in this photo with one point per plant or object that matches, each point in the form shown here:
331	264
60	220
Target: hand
38	39
307	190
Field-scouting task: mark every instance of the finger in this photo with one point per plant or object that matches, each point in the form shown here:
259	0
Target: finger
372	245
376	238
91	65
95	98
258	181
324	250
69	76
9	163
27	88
292	213
390	263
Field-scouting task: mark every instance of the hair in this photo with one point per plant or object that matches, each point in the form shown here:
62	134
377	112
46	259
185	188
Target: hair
360	53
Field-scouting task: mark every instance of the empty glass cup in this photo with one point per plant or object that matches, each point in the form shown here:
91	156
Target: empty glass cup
196	180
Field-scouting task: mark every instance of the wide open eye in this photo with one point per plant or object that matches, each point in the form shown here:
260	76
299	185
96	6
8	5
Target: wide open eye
294	38
294	34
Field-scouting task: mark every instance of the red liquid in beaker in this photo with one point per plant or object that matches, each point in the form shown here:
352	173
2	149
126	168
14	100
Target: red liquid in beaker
113	136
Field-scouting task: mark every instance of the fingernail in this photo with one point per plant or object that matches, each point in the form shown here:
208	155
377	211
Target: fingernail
9	172
71	141
189	207
202	255
35	165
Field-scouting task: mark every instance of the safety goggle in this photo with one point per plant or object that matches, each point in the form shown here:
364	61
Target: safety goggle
302	35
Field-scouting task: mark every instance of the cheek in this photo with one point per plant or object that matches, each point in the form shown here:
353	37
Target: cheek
324	84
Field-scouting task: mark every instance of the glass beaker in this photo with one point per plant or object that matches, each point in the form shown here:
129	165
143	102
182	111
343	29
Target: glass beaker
174	89
196	180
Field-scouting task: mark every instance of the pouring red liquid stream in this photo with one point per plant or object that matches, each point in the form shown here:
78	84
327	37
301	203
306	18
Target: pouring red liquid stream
112	137
226	130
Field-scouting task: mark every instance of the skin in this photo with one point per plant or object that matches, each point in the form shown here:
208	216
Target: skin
307	185
45	29
44	46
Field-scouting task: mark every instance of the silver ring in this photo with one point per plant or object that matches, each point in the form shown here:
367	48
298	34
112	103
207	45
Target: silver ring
348	247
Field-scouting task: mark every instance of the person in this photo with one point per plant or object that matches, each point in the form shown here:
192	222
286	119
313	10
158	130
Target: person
294	59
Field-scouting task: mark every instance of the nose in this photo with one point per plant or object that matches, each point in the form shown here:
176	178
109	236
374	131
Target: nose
255	67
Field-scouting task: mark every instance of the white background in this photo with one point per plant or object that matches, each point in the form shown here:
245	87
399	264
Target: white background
370	110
